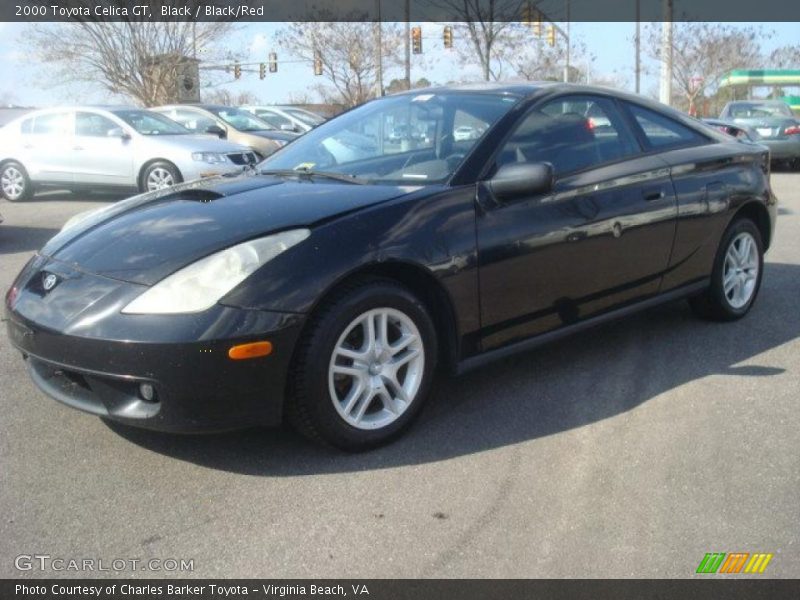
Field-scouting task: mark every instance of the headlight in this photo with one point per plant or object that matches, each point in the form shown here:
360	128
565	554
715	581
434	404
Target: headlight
209	157
200	285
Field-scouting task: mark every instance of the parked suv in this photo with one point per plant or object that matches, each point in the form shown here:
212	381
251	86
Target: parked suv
286	118
119	147
233	124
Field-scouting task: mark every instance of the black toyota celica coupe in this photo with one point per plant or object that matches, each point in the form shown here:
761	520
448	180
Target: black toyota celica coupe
326	284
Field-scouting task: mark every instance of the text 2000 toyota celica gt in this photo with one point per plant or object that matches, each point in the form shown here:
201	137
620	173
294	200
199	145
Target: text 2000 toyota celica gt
326	284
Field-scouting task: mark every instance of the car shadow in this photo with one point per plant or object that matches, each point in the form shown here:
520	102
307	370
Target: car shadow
16	238
595	375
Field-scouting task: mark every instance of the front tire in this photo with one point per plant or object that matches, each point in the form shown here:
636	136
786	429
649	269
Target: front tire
159	175
15	184
362	372
736	277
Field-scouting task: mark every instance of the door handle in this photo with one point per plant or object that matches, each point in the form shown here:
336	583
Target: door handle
653	194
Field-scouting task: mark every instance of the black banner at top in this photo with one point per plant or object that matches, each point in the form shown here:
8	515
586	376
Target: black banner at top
399	10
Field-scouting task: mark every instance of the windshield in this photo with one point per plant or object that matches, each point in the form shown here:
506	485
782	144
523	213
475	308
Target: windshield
150	123
241	119
748	110
411	138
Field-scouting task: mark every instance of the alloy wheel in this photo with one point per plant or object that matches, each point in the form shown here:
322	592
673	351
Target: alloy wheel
13	183
376	368
740	272
159	178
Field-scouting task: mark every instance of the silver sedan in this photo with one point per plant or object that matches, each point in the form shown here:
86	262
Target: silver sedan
118	147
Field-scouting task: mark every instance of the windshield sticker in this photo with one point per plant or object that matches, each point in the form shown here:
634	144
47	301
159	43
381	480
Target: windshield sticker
414	176
306	166
422	98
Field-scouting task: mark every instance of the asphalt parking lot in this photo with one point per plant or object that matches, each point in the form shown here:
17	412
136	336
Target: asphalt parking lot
629	451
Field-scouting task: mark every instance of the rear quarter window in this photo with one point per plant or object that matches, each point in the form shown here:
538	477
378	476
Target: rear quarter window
661	131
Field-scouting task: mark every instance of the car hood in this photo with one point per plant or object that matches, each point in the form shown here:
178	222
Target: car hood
274	134
145	238
195	143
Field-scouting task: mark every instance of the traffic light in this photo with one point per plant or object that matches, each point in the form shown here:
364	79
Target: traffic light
262	71
273	62
416	39
237	71
551	35
317	64
448	37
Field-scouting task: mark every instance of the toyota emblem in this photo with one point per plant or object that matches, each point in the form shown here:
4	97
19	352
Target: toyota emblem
49	282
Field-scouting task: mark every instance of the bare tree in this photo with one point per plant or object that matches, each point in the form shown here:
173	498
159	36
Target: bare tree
346	50
486	31
534	60
227	98
703	53
785	57
120	56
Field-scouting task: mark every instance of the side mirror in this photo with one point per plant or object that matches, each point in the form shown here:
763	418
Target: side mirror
118	132
217	131
516	180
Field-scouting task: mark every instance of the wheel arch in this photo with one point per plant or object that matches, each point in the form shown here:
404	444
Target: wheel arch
420	282
758	213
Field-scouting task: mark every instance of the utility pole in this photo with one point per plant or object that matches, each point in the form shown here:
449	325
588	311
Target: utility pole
665	88
638	46
408	44
566	65
378	51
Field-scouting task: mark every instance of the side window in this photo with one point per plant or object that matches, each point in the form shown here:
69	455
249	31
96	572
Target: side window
193	121
26	126
572	133
663	132
52	124
93	125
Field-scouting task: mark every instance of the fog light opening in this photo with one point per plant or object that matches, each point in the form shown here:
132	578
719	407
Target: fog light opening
147	392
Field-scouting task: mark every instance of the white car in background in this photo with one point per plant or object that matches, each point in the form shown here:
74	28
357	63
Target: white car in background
112	147
286	118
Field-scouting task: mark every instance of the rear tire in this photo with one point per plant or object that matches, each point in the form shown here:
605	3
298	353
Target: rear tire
736	277
15	184
363	369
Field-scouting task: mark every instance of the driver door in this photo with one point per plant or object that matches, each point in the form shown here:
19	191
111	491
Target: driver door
599	239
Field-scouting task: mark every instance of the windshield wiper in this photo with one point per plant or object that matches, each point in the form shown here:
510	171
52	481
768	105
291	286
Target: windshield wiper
309	174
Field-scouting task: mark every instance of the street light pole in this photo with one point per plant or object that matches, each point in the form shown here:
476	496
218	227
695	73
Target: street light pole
638	45
665	88
378	51
566	66
408	44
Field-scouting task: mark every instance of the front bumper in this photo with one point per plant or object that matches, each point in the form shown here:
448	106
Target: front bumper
95	359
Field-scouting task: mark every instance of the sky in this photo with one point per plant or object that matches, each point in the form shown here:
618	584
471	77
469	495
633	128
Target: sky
610	43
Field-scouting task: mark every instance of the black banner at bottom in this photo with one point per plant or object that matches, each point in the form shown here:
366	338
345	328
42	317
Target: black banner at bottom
397	589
